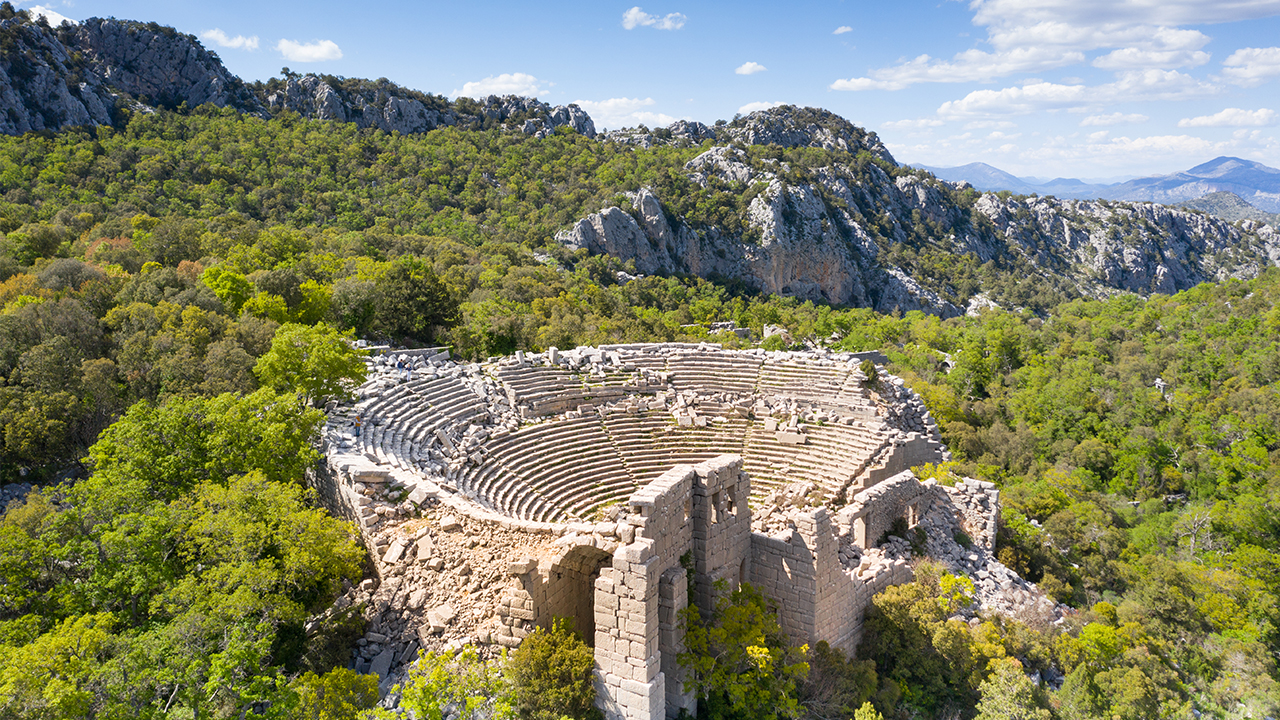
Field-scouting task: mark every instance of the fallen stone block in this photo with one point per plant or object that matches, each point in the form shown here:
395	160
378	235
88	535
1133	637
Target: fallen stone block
394	553
522	567
440	617
426	546
381	665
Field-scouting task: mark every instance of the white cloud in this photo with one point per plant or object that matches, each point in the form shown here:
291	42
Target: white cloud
912	124
1084	37
1112	12
654	119
1116	118
1251	66
1132	58
987	124
842	30
1232	117
239	42
750	68
1129	86
624	112
968	66
521	84
53	18
1026	36
316	51
635	17
758	106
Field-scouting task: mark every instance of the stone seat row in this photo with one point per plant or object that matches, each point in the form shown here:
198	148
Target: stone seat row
402	439
710	374
541	472
530	383
831	458
802	381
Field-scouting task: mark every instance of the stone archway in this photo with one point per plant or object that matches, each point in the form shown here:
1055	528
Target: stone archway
570	590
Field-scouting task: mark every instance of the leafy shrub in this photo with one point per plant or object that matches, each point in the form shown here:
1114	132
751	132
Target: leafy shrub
552	675
739	662
460	686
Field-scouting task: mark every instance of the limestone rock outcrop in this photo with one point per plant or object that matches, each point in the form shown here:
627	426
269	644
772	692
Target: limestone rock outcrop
836	233
386	106
158	65
791	126
75	75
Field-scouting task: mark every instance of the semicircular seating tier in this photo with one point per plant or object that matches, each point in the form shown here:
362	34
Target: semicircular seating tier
560	435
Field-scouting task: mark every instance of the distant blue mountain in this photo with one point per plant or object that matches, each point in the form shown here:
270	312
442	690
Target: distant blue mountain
983	177
1255	183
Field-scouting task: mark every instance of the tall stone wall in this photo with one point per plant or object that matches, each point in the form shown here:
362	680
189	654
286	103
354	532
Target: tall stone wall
817	595
698	514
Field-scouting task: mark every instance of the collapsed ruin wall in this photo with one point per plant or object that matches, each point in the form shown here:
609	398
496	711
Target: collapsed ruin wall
457	566
694	513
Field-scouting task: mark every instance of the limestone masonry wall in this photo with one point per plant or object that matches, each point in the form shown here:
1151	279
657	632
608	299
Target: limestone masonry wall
614	486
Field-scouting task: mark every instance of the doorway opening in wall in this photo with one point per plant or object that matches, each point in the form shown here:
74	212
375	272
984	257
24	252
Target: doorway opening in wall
572	590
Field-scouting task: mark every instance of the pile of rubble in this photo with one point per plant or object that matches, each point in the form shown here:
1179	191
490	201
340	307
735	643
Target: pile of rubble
14	493
403	461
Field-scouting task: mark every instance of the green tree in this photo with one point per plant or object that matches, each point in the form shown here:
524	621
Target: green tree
340	694
739	662
54	676
552	675
475	689
1008	694
232	288
315	361
835	685
867	712
413	303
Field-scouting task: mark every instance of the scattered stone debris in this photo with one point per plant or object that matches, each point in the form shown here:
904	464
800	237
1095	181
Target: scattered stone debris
494	495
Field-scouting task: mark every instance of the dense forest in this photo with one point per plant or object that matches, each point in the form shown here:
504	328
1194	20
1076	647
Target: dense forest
157	278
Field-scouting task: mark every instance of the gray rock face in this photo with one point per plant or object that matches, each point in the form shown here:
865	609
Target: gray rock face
391	108
821	239
791	126
71	76
680	133
34	90
691	130
1136	247
158	65
371	106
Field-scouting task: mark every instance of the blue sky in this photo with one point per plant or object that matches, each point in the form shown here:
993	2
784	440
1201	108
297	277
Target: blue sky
1080	88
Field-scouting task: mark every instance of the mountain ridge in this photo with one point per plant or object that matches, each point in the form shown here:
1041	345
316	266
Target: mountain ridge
1253	182
820	208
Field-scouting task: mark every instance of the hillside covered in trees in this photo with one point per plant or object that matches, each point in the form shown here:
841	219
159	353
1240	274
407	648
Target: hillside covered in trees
154	274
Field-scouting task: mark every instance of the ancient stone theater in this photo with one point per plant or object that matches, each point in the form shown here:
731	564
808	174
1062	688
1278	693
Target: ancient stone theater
588	484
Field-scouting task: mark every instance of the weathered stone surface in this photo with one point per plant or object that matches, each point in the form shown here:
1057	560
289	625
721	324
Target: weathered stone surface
425	547
381	665
616	567
386	106
148	63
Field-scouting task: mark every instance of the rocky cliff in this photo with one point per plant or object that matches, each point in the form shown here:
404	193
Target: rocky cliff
825	212
386	106
78	74
73	75
838	232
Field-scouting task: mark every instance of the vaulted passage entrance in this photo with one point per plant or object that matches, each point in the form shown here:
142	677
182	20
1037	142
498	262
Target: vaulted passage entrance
571	590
